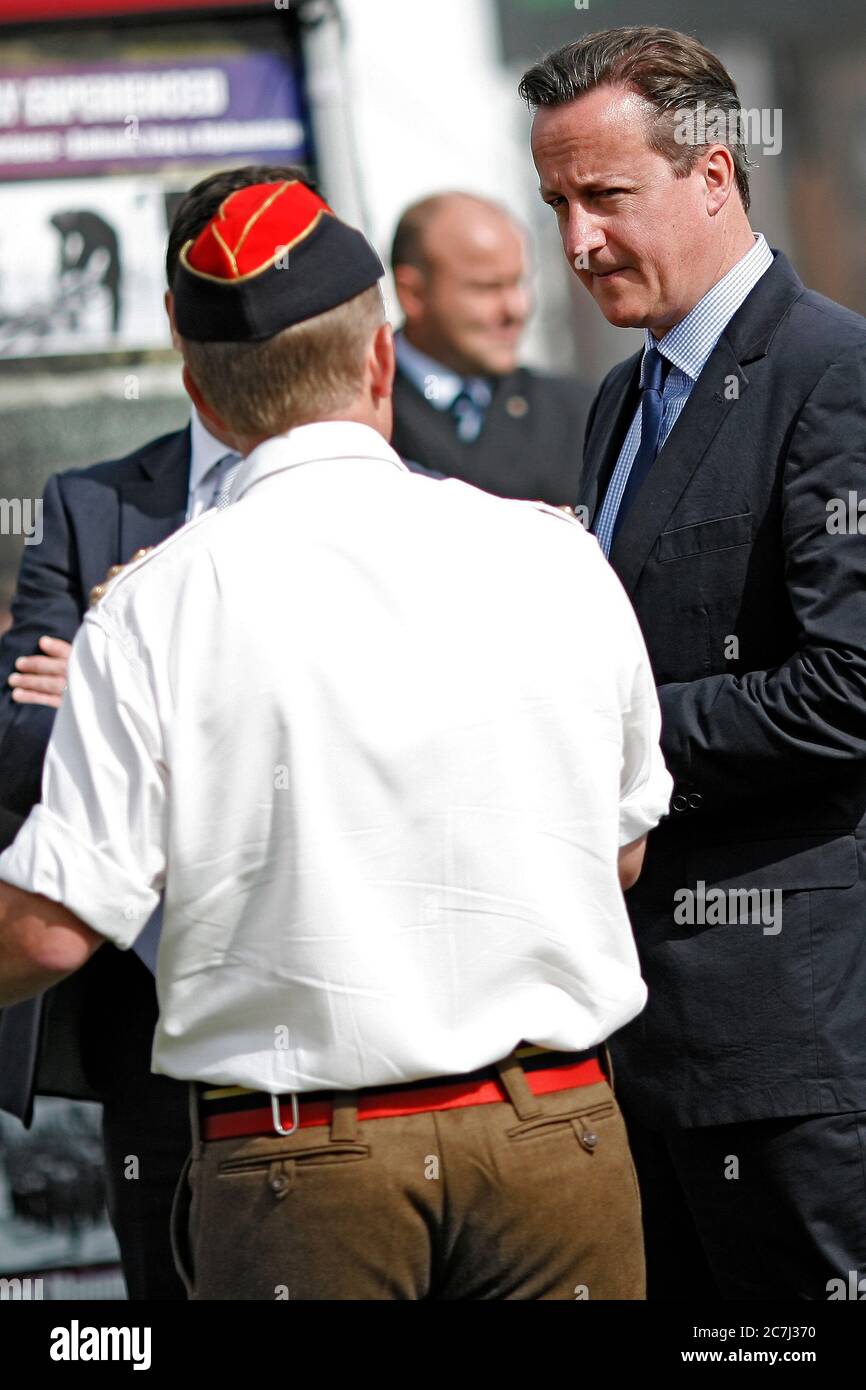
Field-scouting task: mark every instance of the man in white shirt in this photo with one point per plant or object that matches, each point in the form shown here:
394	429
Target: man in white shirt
92	1037
382	741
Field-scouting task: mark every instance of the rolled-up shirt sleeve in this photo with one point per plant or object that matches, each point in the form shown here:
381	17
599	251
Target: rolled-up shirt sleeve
645	783
96	843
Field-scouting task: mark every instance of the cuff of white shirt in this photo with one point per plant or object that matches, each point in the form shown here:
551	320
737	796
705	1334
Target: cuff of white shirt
46	857
639	815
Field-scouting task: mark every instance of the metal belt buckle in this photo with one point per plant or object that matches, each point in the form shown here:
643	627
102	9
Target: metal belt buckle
275	1114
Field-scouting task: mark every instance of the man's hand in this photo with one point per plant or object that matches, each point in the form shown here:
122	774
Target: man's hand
631	862
41	680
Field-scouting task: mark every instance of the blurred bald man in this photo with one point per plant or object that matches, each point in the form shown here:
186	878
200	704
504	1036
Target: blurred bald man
463	405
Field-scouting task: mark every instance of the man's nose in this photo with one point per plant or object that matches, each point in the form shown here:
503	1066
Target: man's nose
517	302
584	236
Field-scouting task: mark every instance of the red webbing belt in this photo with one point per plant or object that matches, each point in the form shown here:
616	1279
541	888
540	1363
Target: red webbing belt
377	1105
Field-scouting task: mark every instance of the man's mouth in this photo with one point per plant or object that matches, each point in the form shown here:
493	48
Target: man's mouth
606	274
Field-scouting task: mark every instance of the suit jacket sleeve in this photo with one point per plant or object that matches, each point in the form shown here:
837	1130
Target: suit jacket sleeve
48	600
806	717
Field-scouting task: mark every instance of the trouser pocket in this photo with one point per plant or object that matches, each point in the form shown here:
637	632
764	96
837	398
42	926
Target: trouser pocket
179	1228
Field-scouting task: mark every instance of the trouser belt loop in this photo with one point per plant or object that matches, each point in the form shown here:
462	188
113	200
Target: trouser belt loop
344	1117
513	1078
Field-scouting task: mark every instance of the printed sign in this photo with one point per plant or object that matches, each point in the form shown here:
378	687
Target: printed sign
76	120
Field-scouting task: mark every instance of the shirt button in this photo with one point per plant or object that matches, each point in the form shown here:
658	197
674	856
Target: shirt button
130	912
679	803
695	800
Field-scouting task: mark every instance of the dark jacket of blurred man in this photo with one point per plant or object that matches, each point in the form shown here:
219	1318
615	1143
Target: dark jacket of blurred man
92	1037
463	405
716	461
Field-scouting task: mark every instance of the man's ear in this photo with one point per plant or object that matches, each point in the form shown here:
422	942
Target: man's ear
205	410
410	284
168	300
382	361
720	176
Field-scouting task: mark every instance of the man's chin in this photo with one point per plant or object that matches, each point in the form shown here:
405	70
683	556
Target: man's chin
621	313
498	363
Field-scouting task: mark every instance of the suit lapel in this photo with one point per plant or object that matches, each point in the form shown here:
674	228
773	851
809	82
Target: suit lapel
716	393
153	505
613	416
421	432
712	397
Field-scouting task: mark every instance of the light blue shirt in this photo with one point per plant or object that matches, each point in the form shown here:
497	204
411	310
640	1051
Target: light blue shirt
441	387
687	346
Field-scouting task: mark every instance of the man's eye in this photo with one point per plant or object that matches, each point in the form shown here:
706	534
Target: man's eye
555	203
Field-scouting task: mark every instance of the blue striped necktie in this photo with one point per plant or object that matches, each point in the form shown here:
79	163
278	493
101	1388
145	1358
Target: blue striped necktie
468	409
654	370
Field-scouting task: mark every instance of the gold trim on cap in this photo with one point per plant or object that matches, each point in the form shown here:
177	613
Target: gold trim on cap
256	215
279	251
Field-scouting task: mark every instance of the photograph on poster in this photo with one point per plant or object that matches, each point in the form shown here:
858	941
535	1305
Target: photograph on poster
80	265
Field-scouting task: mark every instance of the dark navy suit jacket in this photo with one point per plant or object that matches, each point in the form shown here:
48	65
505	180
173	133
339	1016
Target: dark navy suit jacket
753	607
92	518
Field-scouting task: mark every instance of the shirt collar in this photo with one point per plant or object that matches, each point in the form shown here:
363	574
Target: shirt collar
324	440
205	451
437	384
689	343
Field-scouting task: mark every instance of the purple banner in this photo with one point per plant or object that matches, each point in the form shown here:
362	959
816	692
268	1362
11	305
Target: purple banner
79	120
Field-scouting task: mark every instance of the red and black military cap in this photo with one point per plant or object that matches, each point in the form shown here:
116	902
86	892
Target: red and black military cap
274	255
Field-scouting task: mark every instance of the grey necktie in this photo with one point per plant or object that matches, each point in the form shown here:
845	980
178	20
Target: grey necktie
225	473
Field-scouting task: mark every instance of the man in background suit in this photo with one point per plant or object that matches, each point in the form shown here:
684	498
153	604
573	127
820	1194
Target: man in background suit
463	405
91	1037
716	459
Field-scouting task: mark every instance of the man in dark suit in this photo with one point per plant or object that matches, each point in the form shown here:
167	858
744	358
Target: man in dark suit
463	406
718	460
91	1036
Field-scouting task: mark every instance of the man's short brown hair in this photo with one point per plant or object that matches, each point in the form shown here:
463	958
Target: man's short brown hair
671	71
303	374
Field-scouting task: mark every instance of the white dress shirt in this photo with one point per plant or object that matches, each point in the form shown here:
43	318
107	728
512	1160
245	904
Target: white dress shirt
206	456
380	738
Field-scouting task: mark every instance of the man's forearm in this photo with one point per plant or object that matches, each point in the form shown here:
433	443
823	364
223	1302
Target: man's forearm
41	942
785	726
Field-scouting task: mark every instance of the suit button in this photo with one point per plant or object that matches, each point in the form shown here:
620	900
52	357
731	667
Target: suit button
679	803
696	801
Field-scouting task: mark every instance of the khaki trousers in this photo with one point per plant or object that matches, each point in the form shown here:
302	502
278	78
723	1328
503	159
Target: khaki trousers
531	1198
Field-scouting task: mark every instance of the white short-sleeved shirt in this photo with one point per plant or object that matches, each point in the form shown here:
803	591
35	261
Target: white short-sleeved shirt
379	737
